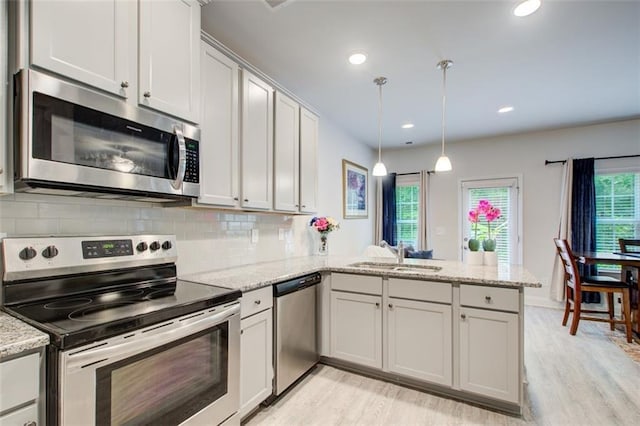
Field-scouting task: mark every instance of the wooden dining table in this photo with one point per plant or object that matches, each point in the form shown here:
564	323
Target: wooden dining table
621	259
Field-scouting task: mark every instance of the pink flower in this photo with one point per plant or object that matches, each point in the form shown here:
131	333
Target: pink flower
492	214
484	206
474	215
321	224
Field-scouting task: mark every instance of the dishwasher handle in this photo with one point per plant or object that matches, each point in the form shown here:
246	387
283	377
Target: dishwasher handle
290	286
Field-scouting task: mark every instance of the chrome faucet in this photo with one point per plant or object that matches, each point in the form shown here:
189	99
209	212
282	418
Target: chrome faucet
397	252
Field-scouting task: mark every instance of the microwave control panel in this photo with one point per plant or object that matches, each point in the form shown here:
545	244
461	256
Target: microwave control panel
191	173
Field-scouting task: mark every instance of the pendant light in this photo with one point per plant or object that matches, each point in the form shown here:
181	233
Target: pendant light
444	164
379	169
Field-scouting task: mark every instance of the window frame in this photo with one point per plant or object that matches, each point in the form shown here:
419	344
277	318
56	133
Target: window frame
411	179
610	167
488	182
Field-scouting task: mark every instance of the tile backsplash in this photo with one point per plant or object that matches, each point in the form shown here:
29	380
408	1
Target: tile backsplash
207	238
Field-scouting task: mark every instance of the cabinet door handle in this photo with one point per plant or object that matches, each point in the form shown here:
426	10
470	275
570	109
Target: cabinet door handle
257	302
124	84
463	316
390	306
377	304
487	299
235	198
30	423
304	207
246	200
147	95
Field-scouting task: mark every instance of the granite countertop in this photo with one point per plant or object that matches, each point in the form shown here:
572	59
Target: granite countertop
257	275
17	336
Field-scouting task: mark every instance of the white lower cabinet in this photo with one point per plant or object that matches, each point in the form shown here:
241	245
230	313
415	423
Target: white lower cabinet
356	328
19	390
489	353
256	349
413	336
419	340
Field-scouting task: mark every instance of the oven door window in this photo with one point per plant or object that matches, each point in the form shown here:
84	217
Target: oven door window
68	133
165	385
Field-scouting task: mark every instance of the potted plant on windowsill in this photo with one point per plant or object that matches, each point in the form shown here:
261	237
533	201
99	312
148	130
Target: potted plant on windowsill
474	257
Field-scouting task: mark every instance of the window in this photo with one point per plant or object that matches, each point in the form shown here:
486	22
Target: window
503	194
617	211
408	209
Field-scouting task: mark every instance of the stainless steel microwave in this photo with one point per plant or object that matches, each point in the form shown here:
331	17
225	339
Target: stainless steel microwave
71	140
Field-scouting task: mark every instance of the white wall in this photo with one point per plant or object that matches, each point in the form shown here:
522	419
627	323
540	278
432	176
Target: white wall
207	238
522	154
354	234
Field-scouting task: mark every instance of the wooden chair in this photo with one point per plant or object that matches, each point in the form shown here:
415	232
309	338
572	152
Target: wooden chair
630	276
575	285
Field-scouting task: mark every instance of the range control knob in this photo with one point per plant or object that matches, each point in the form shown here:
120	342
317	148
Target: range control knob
49	252
166	245
142	246
27	253
154	246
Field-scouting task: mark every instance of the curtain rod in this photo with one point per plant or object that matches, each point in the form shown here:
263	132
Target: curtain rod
429	172
547	162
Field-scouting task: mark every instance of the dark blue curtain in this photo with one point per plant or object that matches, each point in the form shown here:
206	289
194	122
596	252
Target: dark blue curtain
389	209
583	217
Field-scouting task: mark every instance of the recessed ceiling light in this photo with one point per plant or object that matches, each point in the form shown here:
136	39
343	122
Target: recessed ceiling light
407	126
505	109
358	58
526	8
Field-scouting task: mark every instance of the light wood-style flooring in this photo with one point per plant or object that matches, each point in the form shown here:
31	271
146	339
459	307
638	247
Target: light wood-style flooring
572	380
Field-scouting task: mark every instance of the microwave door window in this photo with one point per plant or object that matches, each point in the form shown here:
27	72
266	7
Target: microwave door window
68	133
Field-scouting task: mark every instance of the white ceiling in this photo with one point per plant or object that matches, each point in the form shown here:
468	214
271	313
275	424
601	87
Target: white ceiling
570	63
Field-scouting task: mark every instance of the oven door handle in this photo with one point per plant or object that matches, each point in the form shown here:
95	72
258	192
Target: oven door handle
149	338
182	159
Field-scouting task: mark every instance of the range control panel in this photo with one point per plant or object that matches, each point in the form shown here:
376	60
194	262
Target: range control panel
107	248
30	257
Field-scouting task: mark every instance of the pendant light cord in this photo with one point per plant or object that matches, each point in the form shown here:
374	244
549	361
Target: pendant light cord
444	101
380	122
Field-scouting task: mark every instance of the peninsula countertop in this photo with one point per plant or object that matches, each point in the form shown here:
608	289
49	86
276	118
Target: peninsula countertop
263	274
17	336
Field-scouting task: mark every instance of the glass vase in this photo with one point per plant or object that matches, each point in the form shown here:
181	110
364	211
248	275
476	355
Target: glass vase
323	245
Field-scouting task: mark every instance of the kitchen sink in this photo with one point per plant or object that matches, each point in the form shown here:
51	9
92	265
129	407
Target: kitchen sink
396	267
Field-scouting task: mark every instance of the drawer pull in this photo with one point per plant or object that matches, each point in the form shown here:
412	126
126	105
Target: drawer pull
487	299
30	423
390	306
463	316
377	304
257	302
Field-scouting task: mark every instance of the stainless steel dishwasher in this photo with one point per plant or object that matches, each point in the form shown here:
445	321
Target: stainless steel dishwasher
294	342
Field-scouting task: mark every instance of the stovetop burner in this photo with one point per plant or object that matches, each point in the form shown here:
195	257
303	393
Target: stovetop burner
75	320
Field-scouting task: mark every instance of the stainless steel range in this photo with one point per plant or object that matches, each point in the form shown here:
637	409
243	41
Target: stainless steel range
131	344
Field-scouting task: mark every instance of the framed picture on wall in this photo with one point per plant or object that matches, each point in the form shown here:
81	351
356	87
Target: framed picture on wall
355	186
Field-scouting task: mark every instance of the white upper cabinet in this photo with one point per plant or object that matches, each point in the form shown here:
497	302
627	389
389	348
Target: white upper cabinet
308	161
92	42
219	129
4	88
123	46
286	155
169	58
257	143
